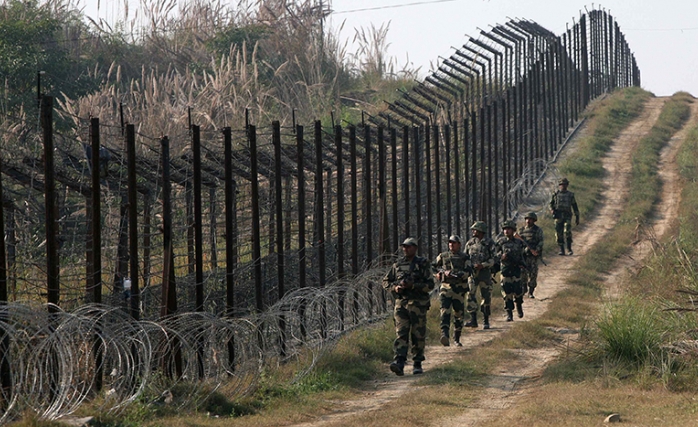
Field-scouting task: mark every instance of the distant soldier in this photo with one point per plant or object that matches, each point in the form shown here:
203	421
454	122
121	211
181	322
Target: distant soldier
510	251
561	206
533	236
480	249
410	280
453	269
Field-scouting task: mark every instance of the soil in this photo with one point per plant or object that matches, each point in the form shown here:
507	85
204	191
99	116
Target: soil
514	380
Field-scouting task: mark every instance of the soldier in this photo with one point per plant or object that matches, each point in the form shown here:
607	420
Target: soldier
510	252
409	280
561	206
453	269
480	249
533	236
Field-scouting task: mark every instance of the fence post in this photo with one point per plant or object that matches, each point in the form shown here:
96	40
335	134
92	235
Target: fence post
51	208
280	264
430	218
453	145
354	202
301	207
319	206
5	372
133	220
416	167
230	237
340	202
340	221
320	222
256	233
368	220
406	178
94	249
354	218
475	205
437	187
169	288
393	180
198	219
383	228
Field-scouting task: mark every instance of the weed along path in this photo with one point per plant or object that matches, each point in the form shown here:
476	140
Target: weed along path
515	377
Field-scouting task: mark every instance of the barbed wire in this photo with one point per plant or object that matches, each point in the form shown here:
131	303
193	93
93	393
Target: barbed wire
57	359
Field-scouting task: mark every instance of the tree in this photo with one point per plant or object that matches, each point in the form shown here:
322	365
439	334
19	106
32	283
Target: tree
35	38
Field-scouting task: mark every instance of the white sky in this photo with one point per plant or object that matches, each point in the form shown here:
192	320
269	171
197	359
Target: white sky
663	34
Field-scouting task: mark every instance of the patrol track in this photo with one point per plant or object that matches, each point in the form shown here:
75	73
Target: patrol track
512	381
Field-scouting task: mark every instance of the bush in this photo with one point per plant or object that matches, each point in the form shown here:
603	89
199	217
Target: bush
630	331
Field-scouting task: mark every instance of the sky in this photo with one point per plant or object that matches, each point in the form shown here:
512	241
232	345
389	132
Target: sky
663	34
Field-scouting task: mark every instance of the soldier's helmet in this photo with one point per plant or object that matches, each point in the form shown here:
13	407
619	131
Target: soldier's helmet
531	215
479	226
563	181
454	238
509	224
410	241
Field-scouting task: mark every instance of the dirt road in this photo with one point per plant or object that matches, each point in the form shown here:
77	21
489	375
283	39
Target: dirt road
504	388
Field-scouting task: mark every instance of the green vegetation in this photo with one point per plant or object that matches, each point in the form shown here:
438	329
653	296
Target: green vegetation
31	40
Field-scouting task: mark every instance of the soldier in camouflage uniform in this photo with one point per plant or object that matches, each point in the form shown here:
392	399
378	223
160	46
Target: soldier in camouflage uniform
510	251
453	269
561	206
533	236
480	249
409	280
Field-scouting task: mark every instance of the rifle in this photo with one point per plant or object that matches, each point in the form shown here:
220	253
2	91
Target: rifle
530	249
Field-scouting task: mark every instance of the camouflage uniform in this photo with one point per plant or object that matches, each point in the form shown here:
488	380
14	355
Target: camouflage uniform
480	251
534	238
511	270
562	204
453	289
411	305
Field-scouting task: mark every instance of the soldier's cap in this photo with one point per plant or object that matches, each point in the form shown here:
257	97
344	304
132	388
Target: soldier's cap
479	226
410	241
509	224
531	215
454	238
563	181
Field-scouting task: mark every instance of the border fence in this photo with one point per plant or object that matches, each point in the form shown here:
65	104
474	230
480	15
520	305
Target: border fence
129	266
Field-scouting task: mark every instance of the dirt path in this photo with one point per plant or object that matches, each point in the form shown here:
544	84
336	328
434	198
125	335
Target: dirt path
553	279
665	213
504	388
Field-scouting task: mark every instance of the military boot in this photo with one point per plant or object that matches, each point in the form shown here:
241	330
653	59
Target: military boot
398	367
569	249
417	368
486	323
456	338
562	250
530	292
444	338
519	309
510	315
472	323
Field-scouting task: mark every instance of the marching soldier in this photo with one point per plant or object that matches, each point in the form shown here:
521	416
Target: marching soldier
453	269
561	206
409	280
533	236
510	251
481	251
